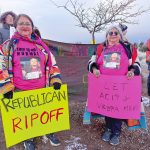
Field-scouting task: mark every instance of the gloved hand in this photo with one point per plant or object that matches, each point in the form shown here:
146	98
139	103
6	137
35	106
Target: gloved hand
8	95
57	85
96	72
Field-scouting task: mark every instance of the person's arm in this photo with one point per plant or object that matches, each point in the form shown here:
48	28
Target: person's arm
92	63
6	85
52	71
92	66
55	78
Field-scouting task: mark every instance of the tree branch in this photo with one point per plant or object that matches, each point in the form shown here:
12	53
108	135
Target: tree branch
104	13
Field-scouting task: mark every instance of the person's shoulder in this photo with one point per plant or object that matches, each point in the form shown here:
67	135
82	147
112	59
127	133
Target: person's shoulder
128	45
101	45
100	48
4	28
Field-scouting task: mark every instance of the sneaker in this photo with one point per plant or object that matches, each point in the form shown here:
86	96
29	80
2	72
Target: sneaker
106	135
53	139
29	145
114	140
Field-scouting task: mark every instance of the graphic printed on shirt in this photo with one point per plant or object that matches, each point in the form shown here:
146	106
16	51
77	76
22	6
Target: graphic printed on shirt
112	60
30	68
27	52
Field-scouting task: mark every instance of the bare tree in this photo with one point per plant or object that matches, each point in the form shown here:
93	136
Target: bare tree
105	12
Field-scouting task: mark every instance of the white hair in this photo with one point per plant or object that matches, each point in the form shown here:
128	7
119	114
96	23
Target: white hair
117	28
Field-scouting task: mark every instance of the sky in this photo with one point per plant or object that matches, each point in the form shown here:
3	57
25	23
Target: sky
58	25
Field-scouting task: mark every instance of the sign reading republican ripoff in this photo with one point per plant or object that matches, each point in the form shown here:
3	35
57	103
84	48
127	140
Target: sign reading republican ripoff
114	96
34	113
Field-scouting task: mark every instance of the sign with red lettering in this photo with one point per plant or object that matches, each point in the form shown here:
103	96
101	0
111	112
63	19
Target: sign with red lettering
34	113
114	96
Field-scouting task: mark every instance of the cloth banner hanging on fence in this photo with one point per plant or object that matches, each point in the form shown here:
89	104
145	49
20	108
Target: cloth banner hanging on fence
72	60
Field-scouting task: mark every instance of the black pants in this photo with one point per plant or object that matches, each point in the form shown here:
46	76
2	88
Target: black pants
114	125
148	85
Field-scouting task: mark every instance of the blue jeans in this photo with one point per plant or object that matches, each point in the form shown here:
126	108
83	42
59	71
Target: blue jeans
113	124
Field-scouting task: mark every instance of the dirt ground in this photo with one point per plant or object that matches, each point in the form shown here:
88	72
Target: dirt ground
88	137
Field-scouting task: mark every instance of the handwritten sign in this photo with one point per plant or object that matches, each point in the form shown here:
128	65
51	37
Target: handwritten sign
34	113
114	96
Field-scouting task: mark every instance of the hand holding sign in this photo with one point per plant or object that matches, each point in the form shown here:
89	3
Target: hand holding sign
130	74
96	72
8	95
57	85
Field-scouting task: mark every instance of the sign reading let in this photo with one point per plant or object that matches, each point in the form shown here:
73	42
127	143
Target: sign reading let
114	96
34	113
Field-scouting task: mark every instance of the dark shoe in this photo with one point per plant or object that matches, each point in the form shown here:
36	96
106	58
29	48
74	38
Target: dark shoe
53	139
29	145
106	135
114	140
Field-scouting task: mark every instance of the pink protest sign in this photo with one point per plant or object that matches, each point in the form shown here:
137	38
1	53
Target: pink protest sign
114	96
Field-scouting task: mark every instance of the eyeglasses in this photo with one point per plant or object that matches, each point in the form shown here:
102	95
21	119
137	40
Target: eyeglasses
113	33
24	24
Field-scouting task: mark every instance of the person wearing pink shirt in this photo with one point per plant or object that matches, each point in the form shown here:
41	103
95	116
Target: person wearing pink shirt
29	65
114	57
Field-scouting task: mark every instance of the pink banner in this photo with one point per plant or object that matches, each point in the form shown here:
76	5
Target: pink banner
114	96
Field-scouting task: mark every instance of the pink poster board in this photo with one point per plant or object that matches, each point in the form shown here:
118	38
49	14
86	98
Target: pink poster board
114	96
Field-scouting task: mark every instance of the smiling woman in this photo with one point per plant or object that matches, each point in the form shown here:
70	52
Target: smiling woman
114	57
24	25
29	64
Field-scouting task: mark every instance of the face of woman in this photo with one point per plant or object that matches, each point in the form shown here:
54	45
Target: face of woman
113	36
24	27
9	20
34	63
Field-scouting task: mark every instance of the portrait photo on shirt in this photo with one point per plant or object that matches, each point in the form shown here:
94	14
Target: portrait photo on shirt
31	68
112	60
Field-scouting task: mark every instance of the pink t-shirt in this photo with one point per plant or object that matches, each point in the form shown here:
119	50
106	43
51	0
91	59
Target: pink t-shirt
28	66
113	61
